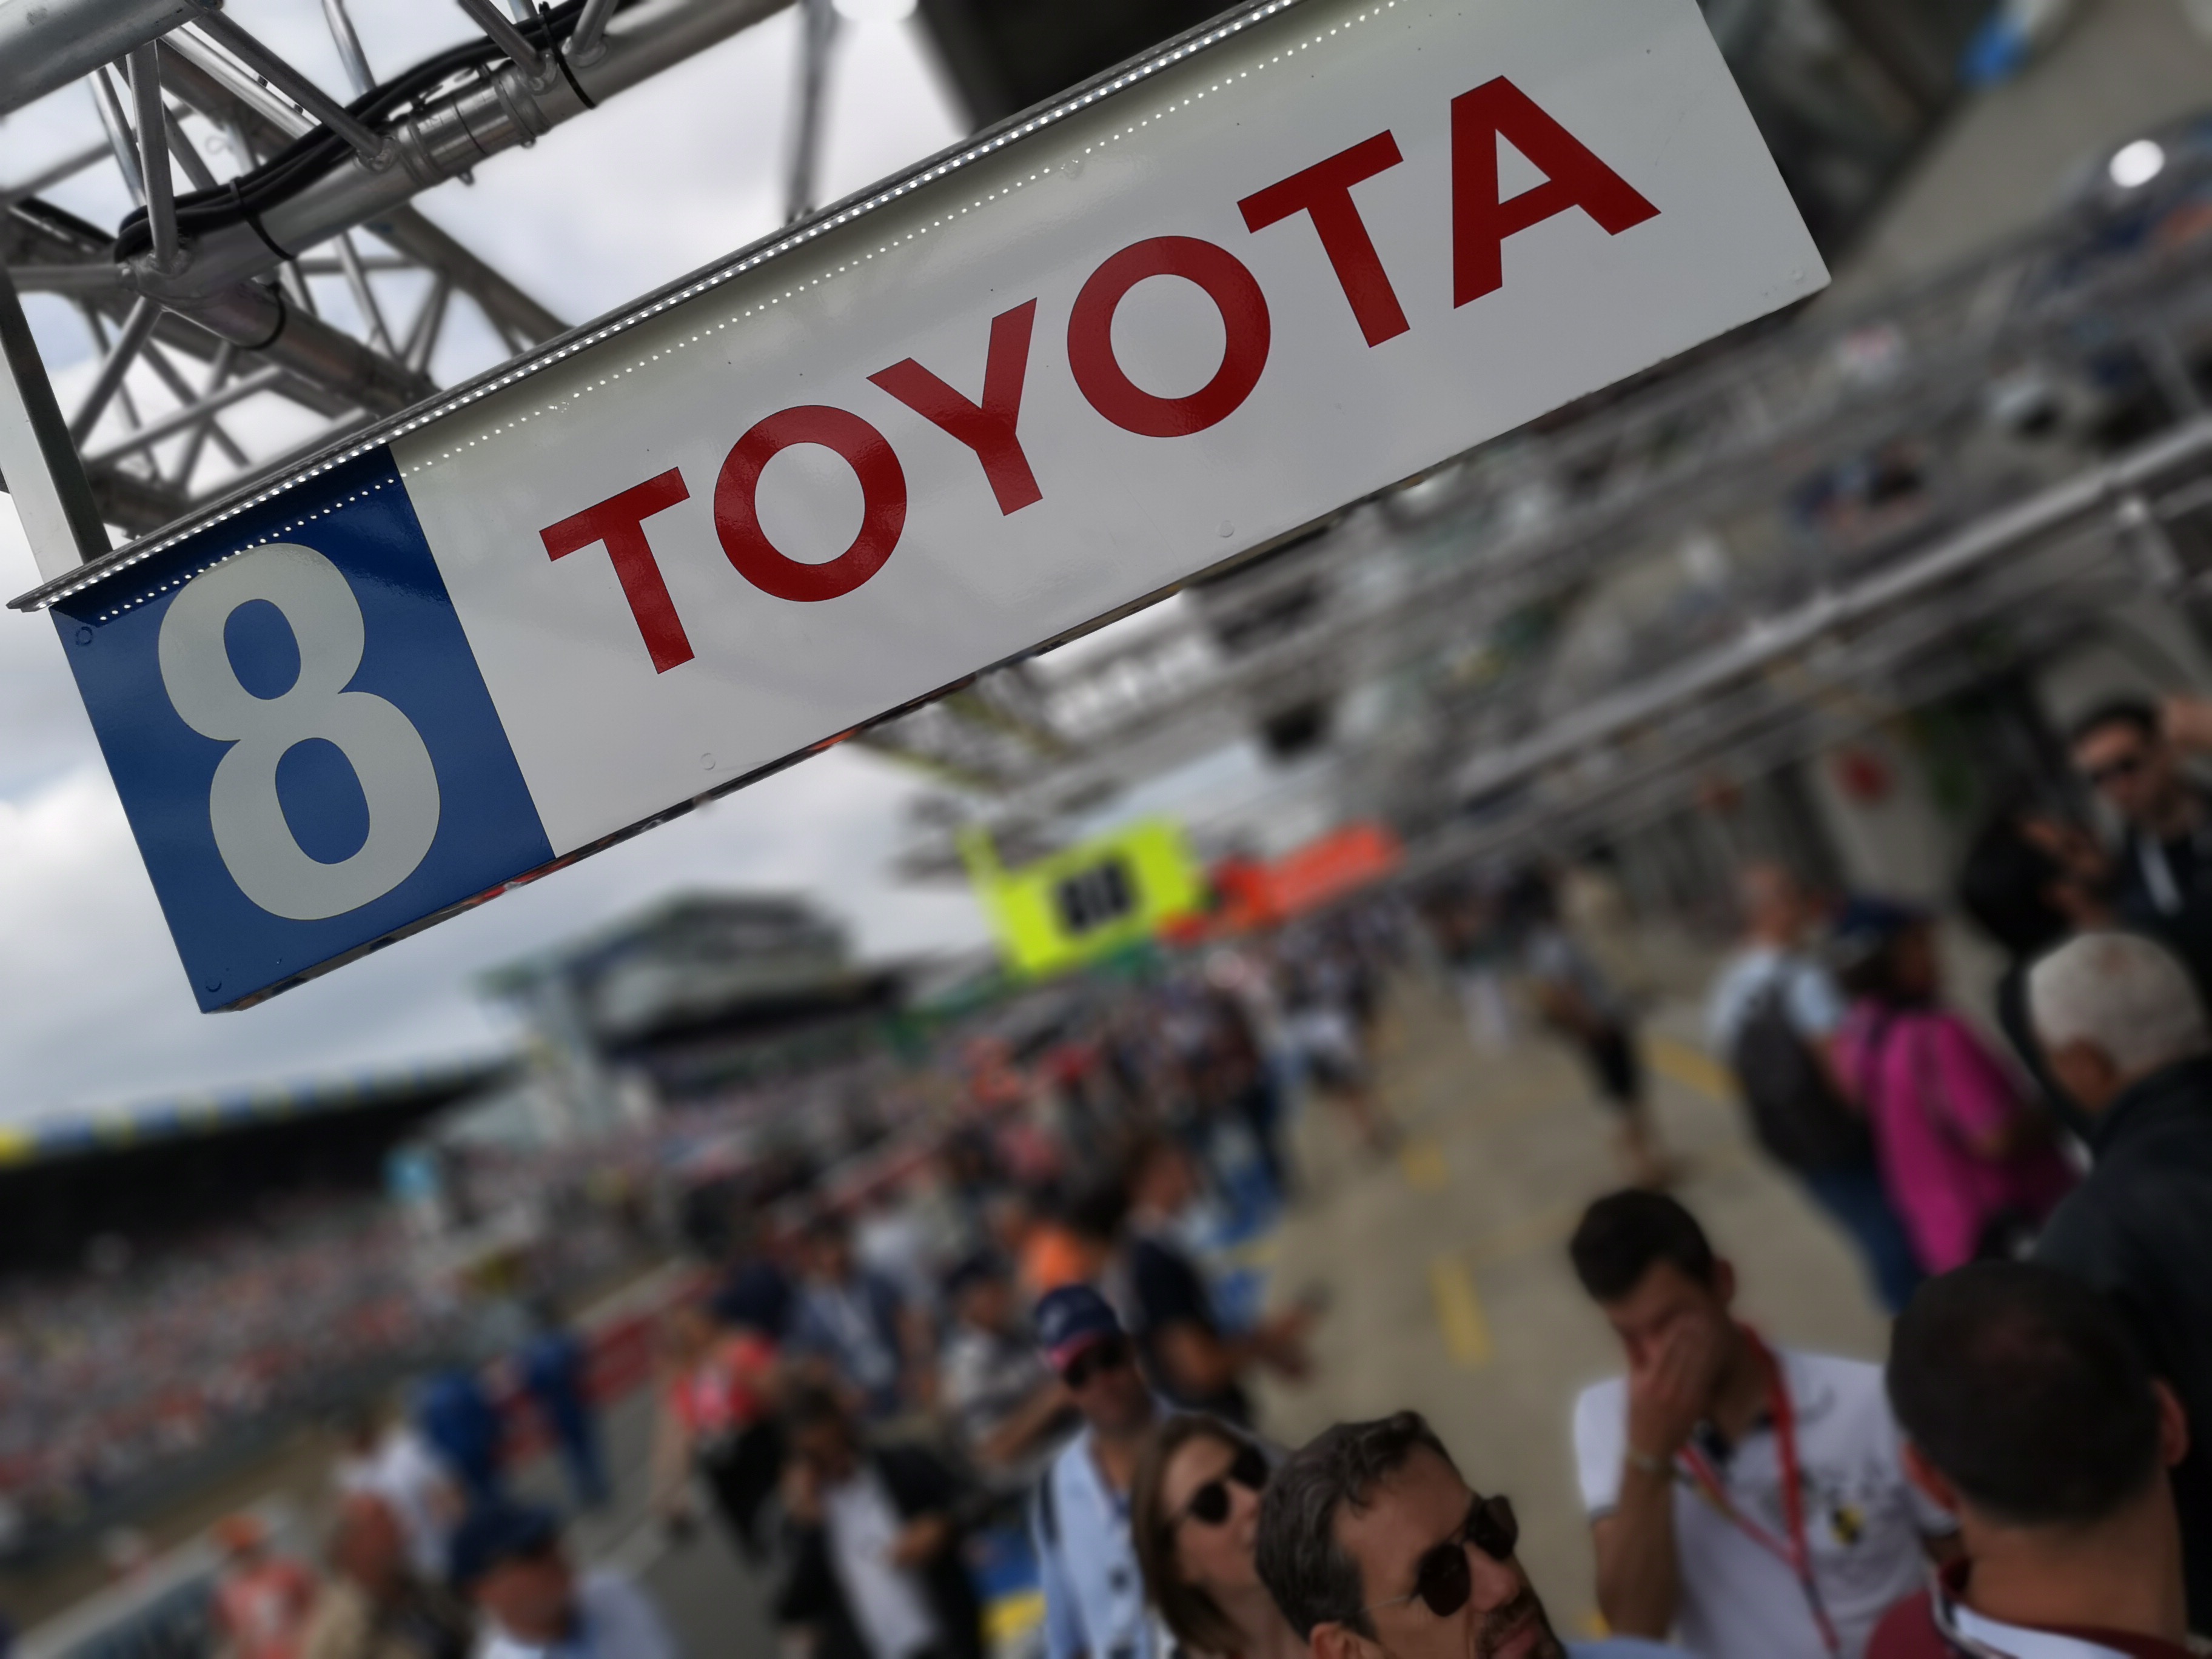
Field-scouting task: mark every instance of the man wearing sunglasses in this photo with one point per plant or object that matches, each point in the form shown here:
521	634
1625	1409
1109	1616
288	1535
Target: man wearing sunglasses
1750	1498
1094	1593
2125	750
1374	1548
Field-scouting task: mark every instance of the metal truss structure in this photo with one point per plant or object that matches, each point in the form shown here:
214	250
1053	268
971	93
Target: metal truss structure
297	273
294	272
1832	468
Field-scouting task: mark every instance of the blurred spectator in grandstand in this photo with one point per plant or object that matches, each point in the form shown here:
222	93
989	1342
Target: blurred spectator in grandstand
1232	1078
1970	1163
1032	1230
1772	1013
2031	1415
718	1417
2165	874
2028	882
1374	1548
509	1559
456	1417
1094	1593
755	1293
856	1325
392	1463
1196	1501
1188	1355
372	1607
1576	1001
876	1570
2126	1032
1479	949
1321	1025
262	1599
1748	1495
555	1371
1008	1410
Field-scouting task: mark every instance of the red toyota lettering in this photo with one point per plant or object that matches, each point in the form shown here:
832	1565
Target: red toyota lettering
1323	192
987	428
1235	293
883	494
619	523
1573	178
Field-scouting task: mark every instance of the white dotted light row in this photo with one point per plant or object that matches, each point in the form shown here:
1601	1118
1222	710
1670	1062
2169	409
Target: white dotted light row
577	394
129	556
276	535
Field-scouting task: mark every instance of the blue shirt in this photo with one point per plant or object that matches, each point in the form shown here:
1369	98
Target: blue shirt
1094	1595
1622	1647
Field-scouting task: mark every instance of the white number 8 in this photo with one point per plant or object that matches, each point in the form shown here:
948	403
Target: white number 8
385	750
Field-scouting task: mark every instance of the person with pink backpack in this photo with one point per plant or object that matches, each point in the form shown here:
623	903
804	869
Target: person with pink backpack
1969	1159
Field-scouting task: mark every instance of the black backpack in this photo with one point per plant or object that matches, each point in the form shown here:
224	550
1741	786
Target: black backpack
1796	1112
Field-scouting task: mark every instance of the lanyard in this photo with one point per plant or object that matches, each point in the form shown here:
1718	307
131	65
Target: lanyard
1792	1552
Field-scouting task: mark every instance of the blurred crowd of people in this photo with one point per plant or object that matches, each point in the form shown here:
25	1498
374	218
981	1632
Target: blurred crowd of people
1029	1353
108	1372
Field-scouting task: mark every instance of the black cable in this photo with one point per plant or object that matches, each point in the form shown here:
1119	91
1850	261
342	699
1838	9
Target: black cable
244	199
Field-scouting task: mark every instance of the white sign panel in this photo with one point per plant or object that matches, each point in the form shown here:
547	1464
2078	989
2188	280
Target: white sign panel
1315	252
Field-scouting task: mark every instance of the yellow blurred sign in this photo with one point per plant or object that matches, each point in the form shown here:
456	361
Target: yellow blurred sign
1111	892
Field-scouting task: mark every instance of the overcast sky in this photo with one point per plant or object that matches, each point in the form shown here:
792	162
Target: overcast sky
95	1012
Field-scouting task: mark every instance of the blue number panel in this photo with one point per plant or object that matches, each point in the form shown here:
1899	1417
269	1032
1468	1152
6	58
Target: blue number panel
301	736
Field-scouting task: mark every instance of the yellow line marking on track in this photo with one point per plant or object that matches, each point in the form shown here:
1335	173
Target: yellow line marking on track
1423	1162
1459	1311
1677	1061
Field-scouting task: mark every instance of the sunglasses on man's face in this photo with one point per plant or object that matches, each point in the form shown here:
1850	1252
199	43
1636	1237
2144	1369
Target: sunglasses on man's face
1444	1579
1110	1355
2120	766
1209	1504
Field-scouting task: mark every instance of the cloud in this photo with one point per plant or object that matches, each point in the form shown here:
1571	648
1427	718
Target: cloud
94	1010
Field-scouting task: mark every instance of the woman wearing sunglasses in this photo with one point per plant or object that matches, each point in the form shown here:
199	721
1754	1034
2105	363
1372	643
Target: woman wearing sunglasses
1197	1499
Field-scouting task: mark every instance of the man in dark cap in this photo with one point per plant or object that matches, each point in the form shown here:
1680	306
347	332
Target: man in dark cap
1094	1597
509	1560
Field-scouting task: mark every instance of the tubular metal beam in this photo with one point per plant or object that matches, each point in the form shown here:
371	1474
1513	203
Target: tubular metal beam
349	46
42	473
46	43
457	134
109	103
588	44
1770	640
510	40
169	425
153	128
109	381
68	167
371	147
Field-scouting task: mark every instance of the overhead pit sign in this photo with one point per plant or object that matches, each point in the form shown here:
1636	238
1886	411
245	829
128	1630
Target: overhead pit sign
1313	251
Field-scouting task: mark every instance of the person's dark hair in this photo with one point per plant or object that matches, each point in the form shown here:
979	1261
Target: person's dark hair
2003	886
1195	1617
1624	1236
811	1406
2026	1389
1312	1579
1097	1213
2138	712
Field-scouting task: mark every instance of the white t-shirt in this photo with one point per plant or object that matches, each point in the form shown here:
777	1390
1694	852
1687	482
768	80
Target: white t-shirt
1863	1520
613	1621
1814	1006
887	1603
413	1483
